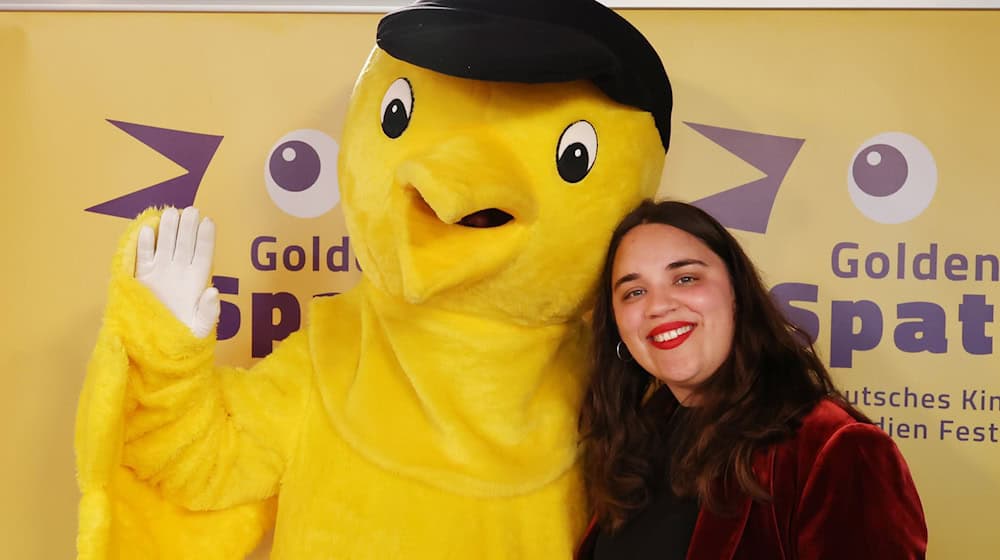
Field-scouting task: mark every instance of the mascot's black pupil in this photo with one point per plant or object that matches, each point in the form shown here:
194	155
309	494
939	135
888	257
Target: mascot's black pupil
573	163
395	120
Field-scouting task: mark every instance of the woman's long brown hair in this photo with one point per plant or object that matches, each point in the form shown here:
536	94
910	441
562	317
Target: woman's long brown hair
771	378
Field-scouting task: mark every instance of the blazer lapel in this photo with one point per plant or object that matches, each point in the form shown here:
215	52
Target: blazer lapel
716	536
585	550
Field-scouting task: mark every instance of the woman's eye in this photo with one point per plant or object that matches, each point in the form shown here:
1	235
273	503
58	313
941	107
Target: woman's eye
685	279
633	293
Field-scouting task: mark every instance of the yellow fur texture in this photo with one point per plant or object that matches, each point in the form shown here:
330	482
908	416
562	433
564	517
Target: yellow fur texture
429	412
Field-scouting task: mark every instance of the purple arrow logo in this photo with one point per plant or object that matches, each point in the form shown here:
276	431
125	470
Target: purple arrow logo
190	150
748	207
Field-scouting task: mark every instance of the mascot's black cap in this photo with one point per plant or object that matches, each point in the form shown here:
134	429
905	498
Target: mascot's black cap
533	41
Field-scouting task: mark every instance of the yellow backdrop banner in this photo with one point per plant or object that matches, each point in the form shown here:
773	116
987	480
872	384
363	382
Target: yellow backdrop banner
853	152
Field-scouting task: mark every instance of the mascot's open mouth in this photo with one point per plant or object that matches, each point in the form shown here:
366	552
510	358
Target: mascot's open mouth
481	219
488	218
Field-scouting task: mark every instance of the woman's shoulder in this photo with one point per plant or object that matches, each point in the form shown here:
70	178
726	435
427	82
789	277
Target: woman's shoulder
830	428
827	417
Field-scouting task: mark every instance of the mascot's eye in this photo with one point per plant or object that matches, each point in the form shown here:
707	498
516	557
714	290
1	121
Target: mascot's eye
576	152
397	106
301	173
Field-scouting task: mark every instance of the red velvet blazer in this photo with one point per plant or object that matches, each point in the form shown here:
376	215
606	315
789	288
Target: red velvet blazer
841	491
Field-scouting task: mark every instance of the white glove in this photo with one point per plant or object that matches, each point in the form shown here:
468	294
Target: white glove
176	267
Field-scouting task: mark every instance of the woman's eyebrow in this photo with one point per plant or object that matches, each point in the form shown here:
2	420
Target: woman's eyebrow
684	262
627	278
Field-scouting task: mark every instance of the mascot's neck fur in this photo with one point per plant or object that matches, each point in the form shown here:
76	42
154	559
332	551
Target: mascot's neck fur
468	404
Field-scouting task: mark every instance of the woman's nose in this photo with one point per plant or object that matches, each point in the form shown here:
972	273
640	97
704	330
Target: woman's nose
661	302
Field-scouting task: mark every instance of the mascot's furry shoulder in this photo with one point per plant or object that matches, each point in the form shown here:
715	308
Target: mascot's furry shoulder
429	412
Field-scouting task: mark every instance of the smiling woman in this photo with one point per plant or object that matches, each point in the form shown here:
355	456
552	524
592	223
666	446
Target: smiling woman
711	428
672	292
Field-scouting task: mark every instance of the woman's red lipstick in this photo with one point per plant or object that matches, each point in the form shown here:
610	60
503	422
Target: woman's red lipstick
685	329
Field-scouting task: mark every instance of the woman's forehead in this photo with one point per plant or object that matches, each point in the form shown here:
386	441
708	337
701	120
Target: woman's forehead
660	241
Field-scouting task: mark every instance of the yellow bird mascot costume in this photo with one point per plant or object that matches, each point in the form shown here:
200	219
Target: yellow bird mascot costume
430	411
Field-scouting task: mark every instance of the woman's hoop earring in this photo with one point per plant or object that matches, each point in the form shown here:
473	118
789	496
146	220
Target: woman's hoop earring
618	352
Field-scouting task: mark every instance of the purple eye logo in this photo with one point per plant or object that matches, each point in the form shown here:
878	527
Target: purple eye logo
301	173
892	178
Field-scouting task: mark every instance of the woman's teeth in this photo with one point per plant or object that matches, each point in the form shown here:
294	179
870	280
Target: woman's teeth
672	334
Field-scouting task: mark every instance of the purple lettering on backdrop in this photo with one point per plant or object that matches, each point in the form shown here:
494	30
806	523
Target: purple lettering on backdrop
835	261
974	313
843	340
229	314
748	207
265	330
883	268
296	263
271	262
925	335
901	260
880	170
190	150
784	294
981	261
955	264
930	258
315	252
344	251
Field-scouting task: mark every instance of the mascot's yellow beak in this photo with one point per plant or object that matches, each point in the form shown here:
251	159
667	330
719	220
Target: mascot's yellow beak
457	199
490	197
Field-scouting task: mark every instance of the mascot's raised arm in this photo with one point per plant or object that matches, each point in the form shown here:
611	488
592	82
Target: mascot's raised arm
430	411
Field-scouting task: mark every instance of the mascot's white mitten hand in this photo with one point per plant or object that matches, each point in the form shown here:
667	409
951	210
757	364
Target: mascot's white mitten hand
175	265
